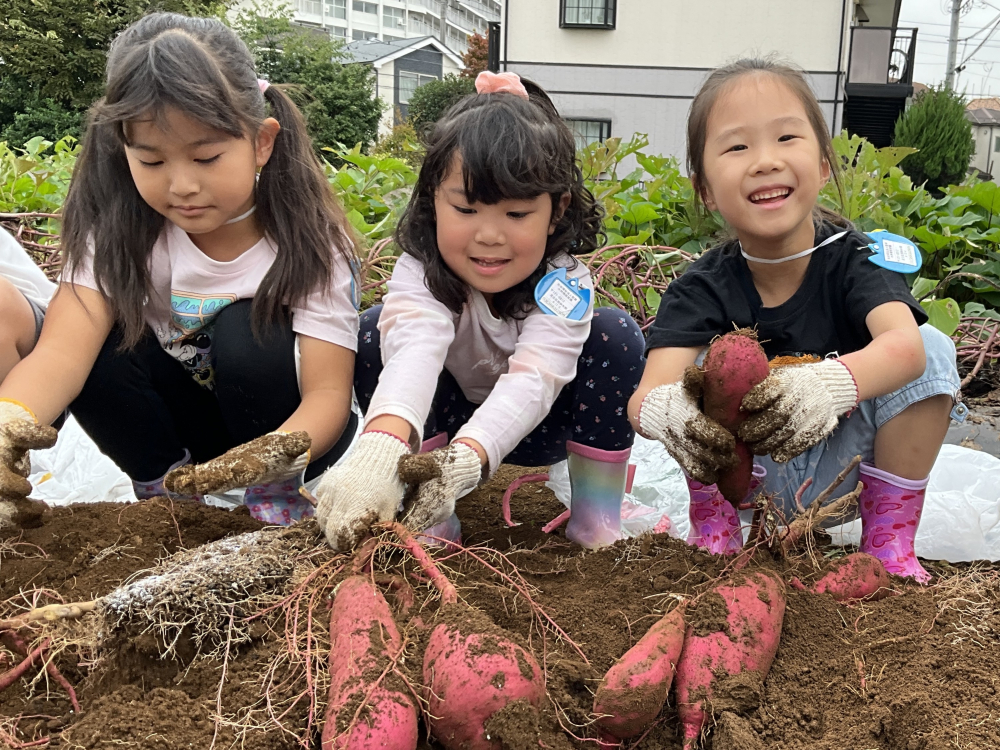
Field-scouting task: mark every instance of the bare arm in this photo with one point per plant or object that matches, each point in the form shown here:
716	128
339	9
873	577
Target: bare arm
327	379
77	322
665	365
895	356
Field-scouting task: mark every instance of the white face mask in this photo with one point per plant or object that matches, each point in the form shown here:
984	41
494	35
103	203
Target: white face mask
804	253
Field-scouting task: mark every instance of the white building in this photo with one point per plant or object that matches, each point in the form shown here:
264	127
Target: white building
984	114
392	20
401	67
616	68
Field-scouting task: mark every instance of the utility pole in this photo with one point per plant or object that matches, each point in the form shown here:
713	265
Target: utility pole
444	24
956	11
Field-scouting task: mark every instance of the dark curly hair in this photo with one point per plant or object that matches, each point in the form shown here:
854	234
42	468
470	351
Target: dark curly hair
511	149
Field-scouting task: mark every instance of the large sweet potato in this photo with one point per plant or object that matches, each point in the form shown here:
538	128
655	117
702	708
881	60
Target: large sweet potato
732	636
635	688
734	364
367	707
857	576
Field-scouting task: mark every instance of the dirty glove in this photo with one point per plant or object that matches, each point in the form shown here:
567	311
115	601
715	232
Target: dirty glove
19	433
796	407
441	477
671	414
273	457
362	491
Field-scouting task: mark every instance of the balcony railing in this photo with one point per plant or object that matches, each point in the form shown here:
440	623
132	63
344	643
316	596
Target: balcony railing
882	55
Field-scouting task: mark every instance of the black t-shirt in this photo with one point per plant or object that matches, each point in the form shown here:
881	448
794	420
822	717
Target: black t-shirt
826	315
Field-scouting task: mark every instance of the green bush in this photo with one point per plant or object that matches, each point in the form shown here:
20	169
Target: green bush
433	99
936	126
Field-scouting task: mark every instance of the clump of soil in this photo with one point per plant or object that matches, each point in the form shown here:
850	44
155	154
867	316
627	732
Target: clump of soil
917	671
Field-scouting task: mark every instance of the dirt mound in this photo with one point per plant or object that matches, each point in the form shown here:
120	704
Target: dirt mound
917	671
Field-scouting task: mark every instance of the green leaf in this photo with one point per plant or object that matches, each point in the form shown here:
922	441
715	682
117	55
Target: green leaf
652	299
943	314
922	286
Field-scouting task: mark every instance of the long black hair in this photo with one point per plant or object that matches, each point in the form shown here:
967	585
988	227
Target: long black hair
511	148
200	67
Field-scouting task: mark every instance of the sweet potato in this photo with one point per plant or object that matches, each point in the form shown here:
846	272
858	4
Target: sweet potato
734	364
635	688
366	709
732	636
472	668
857	576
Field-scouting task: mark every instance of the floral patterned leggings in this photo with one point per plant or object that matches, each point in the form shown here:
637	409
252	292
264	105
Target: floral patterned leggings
590	410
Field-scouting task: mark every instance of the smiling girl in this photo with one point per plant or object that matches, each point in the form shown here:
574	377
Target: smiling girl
883	383
206	309
487	347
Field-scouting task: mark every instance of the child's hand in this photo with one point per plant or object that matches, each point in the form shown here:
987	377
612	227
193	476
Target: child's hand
699	444
796	407
442	476
363	490
19	433
270	458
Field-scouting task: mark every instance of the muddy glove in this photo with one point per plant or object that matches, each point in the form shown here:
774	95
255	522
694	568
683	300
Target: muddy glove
671	414
361	491
443	475
273	457
19	433
796	407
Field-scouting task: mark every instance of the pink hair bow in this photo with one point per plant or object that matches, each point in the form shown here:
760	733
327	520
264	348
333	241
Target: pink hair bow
262	85
495	83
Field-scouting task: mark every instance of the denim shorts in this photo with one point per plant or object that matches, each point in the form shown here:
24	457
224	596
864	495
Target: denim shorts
39	312
855	435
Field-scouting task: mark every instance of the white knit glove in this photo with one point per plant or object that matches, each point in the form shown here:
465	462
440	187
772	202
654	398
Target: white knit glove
796	407
273	457
670	413
442	476
19	433
362	491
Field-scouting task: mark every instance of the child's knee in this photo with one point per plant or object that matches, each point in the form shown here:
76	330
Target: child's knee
18	326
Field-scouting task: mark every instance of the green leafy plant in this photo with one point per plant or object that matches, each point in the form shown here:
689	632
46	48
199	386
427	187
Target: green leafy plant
434	98
936	126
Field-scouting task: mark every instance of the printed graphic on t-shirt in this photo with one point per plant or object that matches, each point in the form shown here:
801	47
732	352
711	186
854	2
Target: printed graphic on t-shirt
190	336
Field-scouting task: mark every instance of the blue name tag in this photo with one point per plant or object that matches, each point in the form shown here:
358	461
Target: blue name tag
562	297
894	252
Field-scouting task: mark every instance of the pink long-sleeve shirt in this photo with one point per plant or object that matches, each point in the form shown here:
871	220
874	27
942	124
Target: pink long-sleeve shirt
513	369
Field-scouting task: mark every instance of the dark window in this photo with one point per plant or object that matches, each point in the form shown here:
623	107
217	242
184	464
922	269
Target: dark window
589	131
587	14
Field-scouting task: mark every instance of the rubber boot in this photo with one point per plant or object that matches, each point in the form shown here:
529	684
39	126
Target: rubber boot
155	488
278	503
890	514
598	482
715	523
449	529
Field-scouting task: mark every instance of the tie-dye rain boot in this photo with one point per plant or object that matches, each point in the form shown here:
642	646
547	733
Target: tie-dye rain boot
450	529
155	488
278	503
890	514
715	523
598	482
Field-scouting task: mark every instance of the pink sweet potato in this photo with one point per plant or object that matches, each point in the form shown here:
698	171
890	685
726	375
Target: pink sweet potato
634	690
368	708
734	364
857	576
732	636
472	668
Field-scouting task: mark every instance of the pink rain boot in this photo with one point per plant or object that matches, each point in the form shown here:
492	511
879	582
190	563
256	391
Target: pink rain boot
155	488
598	482
450	529
715	523
890	514
278	503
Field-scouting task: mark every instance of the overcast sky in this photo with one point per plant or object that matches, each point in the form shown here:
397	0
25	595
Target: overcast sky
979	21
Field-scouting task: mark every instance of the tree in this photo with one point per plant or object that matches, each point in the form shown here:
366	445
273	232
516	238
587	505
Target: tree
336	96
53	53
433	99
476	57
936	125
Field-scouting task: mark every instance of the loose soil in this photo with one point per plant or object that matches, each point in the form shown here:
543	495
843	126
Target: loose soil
915	671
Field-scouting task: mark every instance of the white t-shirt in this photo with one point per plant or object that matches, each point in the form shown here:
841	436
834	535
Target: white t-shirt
20	270
514	368
189	290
